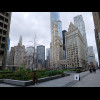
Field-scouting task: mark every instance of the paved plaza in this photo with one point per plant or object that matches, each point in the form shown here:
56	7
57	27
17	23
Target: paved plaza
87	80
91	80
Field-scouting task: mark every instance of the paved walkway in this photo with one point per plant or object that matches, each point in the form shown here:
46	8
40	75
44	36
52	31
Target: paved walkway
91	80
61	82
87	80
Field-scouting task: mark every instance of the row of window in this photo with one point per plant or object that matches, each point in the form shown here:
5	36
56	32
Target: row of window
1	53
3	25
2	46
3	19
3	39
76	64
3	32
5	14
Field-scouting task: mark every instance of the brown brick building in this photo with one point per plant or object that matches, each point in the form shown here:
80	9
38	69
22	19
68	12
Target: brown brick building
5	18
96	17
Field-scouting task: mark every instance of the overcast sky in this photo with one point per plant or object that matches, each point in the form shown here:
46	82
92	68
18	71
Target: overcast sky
27	24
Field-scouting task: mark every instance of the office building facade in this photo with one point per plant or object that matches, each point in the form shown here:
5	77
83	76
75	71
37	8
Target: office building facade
96	18
56	47
64	47
8	43
41	55
18	55
76	56
79	23
5	19
91	56
48	54
30	54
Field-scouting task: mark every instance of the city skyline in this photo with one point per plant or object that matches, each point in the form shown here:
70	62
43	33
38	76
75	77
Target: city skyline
28	24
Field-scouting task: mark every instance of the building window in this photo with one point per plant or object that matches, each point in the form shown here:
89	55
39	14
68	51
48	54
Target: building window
1	24
2	46
0	38
7	14
3	39
6	20
4	32
1	18
0	31
1	53
5	26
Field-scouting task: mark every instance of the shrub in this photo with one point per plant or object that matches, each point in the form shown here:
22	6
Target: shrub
1	76
28	75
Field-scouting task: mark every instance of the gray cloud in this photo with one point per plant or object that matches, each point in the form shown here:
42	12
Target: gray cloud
28	24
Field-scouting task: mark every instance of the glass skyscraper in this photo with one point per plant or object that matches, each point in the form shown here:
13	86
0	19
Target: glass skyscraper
41	55
9	43
55	16
80	24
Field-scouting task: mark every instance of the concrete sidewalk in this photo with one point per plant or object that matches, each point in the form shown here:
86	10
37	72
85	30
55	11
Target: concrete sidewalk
91	80
61	82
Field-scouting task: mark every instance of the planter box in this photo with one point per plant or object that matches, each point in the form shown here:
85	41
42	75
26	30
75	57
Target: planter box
1	80
18	82
49	78
27	83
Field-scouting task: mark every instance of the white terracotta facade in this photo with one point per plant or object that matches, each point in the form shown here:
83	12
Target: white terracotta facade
56	47
75	48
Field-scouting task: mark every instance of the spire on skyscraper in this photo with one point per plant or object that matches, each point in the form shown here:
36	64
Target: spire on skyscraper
20	41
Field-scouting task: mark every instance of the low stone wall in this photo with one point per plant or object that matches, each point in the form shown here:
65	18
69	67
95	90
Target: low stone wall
1	80
27	83
49	78
16	82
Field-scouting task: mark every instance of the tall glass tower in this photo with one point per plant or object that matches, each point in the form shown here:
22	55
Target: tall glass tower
9	43
80	24
55	16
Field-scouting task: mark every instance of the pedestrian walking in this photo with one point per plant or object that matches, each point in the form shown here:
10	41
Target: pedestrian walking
94	70
35	79
90	70
79	78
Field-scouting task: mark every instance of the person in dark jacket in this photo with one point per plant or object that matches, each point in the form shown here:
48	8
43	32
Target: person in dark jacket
90	70
35	79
